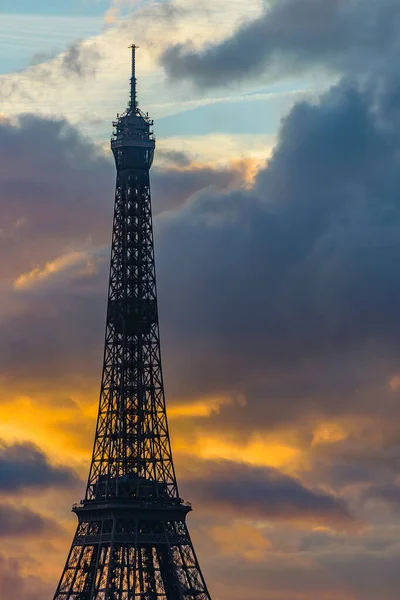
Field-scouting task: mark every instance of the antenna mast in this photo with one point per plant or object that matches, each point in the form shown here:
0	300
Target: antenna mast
133	100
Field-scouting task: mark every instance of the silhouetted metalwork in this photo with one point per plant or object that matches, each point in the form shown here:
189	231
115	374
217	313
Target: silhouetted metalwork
132	542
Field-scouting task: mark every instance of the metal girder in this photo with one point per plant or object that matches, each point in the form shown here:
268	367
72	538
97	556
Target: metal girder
132	452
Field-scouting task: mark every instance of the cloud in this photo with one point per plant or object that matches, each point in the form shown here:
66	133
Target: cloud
174	186
268	290
281	290
57	186
240	538
24	466
56	202
117	8
15	583
22	522
388	493
291	35
91	100
288	292
58	70
54	184
266	493
343	574
80	59
79	264
281	284
366	574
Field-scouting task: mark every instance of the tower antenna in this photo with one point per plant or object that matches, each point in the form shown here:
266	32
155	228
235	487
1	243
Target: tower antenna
133	101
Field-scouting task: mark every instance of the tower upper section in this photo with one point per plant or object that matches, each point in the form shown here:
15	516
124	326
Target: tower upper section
133	142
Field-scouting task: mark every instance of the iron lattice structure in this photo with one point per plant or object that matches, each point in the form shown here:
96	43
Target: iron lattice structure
132	541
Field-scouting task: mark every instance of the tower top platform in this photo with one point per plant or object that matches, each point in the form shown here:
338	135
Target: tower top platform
133	129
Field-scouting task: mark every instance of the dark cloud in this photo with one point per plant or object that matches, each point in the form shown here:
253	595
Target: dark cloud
23	522
389	493
286	291
174	186
56	197
15	583
285	294
53	185
335	575
174	157
290	291
366	574
291	35
57	189
265	493
23	465
366	456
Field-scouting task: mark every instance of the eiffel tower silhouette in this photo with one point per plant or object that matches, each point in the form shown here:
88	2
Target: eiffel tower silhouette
132	541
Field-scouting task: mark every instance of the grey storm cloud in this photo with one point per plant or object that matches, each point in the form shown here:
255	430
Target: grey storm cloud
52	187
23	522
359	460
265	493
173	186
286	293
291	35
56	195
23	465
290	291
56	189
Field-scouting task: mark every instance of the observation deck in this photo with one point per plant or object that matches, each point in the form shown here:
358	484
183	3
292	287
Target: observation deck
133	142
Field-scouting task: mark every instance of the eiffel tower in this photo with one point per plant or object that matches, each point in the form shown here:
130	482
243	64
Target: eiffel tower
132	541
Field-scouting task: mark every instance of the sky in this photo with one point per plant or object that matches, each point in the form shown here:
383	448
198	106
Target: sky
277	229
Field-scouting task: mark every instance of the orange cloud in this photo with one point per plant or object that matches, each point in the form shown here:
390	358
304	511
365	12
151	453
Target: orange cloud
241	539
264	451
328	433
79	262
204	407
62	428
